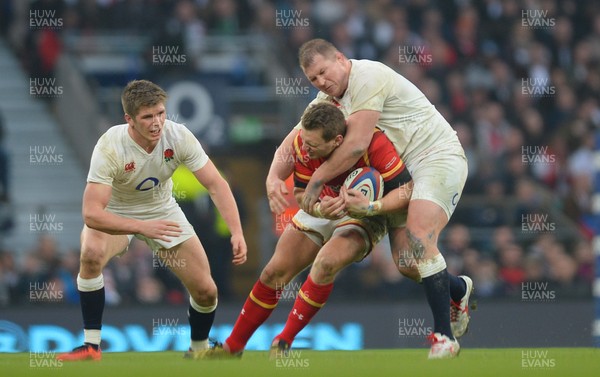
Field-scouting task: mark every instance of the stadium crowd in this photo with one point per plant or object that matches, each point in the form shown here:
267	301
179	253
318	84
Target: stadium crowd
518	80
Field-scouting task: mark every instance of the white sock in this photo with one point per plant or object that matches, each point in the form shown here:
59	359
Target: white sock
91	336
429	267
198	345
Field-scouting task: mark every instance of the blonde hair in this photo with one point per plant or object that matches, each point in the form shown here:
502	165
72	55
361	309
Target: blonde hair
315	47
141	93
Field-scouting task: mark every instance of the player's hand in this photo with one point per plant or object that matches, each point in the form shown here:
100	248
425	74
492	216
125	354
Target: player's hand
333	208
240	250
164	230
276	192
311	195
356	203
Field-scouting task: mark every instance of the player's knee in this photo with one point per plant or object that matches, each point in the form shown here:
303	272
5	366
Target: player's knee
92	257
407	263
274	277
410	272
205	295
324	270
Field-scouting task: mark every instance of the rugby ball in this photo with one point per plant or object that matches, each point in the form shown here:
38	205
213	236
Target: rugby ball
366	180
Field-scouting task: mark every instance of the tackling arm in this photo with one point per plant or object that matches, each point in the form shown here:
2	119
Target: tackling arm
360	126
281	168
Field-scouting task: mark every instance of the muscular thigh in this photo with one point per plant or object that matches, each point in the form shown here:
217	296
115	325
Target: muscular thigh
294	252
345	247
188	261
104	246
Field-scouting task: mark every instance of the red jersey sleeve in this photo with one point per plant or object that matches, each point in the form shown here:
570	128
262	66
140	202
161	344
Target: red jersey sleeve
383	156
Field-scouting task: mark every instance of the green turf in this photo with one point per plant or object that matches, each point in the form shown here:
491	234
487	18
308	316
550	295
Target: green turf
398	363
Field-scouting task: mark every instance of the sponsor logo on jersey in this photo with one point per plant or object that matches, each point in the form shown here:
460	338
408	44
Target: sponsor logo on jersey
129	167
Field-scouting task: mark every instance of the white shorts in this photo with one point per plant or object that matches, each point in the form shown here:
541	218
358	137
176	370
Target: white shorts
173	213
372	229
439	177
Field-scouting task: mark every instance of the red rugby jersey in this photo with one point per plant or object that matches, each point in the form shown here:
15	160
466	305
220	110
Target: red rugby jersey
381	155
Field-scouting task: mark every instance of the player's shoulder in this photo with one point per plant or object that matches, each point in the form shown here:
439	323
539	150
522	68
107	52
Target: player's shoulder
368	76
174	127
176	132
114	135
366	65
379	138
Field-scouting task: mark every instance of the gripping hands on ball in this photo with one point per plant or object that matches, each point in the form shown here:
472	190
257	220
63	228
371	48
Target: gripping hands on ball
361	191
357	204
330	208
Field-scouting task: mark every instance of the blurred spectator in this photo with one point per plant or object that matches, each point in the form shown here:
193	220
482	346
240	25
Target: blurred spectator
43	44
584	255
228	17
485	278
511	270
184	31
563	275
457	241
489	212
534	269
530	213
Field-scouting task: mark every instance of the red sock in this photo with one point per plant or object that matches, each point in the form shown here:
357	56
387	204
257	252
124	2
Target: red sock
258	307
311	298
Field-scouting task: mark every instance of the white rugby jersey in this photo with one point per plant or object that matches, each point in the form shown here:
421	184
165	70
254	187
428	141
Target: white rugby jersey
407	117
141	181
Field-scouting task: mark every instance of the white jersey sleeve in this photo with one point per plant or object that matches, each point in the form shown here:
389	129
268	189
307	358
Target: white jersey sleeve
103	166
190	153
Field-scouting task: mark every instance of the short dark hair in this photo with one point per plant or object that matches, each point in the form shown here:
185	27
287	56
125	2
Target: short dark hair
314	47
326	117
141	93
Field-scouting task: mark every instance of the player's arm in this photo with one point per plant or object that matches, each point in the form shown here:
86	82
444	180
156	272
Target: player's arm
281	168
327	208
397	185
360	127
95	199
221	195
359	205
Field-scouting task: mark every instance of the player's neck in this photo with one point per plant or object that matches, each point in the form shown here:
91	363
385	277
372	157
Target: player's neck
147	145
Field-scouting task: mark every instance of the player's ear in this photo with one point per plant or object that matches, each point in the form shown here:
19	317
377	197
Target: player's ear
128	118
339	139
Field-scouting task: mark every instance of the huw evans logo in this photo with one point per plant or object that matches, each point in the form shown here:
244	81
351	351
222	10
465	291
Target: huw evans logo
536	19
290	18
44	19
168	55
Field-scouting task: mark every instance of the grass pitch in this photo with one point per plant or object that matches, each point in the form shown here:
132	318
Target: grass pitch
508	362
